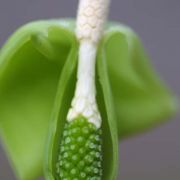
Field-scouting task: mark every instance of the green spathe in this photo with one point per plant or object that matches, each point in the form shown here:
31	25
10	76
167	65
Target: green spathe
37	82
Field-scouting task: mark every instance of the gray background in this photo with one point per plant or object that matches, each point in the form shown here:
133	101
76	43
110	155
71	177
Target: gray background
155	155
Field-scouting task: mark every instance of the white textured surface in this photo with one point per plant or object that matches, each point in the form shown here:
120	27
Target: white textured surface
84	101
92	15
89	29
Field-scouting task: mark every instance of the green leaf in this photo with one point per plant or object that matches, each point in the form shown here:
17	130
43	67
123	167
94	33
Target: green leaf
28	84
64	95
109	119
141	100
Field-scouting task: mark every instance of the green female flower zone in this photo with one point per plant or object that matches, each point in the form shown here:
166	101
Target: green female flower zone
70	90
80	155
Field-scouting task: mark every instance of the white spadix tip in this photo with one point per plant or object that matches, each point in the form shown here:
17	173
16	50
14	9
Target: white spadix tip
91	18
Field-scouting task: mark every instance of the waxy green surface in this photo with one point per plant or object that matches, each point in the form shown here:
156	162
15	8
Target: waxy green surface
80	151
38	67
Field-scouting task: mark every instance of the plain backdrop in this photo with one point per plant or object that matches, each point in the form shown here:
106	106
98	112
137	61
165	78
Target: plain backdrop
156	154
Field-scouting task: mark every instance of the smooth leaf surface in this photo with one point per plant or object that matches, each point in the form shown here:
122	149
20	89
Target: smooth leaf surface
64	95
141	99
109	119
28	84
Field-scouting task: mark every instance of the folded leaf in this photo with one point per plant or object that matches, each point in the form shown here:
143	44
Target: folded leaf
28	84
141	100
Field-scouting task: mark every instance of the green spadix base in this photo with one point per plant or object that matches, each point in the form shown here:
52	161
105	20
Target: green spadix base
80	154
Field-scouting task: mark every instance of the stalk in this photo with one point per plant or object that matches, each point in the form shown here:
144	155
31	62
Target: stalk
80	154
